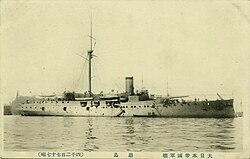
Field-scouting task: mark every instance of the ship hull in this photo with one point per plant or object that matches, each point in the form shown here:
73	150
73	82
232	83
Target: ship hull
203	109
151	108
70	108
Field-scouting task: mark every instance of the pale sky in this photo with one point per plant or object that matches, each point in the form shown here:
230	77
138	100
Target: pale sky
197	47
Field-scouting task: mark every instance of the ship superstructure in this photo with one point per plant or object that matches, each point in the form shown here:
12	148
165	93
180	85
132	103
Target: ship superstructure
140	104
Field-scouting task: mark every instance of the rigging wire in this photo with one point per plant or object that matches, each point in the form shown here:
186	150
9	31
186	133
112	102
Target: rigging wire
109	75
96	85
79	85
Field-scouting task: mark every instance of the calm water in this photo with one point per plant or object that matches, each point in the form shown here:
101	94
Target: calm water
121	134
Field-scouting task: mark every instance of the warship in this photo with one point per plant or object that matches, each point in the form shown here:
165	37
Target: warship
127	104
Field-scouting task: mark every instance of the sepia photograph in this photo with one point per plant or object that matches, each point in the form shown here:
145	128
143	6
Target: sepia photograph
125	79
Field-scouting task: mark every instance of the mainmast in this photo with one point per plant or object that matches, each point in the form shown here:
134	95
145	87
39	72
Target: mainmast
90	56
167	89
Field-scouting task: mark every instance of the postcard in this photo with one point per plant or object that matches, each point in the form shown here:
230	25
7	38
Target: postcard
125	79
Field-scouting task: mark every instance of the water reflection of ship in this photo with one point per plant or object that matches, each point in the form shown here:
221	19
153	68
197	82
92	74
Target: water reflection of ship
90	145
129	136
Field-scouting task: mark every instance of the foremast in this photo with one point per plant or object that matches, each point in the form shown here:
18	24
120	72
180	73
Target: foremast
90	56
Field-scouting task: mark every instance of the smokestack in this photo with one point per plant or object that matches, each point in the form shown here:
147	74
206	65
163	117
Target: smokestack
129	85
